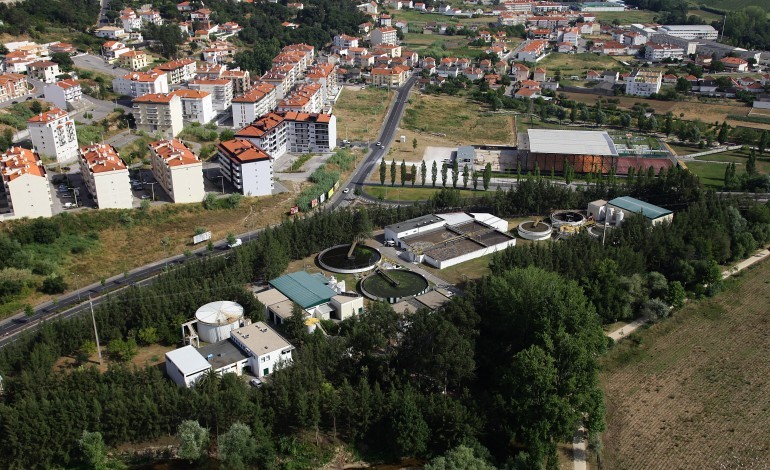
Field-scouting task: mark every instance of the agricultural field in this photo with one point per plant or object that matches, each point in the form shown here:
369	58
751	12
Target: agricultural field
441	46
578	64
706	15
360	113
692	389
711	168
626	17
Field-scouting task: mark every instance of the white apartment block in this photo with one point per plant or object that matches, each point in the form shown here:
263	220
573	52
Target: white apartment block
43	70
249	107
158	112
278	133
178	71
25	184
53	134
326	76
572	36
696	31
178	170
130	21
106	176
307	98
221	91
385	35
343	41
64	94
654	52
643	83
246	166
283	82
270	133
531	51
137	84
197	106
241	80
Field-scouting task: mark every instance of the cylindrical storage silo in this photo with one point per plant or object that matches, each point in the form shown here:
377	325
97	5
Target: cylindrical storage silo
311	324
217	319
619	218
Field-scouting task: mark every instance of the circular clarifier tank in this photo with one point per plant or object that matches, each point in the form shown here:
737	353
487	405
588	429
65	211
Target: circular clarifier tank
393	285
363	258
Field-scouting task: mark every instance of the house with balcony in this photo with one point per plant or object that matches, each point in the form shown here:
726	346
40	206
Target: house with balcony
53	135
106	176
178	170
158	112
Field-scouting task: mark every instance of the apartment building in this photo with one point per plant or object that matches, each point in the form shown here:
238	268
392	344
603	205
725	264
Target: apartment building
307	98
384	35
246	166
241	80
64	94
391	77
311	132
111	50
209	71
343	41
53	135
25	184
249	107
106	176
137	84
531	51
178	71
178	170
129	20
43	70
326	76
643	83
134	60
655	52
12	86
157	112
221	91
270	133
283	82
197	106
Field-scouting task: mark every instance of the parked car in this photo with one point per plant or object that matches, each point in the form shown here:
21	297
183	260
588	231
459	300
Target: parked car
144	196
238	242
70	205
346	190
389	243
255	382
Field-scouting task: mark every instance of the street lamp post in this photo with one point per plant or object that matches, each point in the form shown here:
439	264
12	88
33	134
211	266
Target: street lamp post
222	180
77	284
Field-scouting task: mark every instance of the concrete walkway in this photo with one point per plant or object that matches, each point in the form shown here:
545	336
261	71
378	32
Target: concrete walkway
758	256
579	450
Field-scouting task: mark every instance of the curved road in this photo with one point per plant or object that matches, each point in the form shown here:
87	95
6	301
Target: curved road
74	303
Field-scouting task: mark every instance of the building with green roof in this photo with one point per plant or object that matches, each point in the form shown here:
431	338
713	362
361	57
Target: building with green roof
616	210
304	289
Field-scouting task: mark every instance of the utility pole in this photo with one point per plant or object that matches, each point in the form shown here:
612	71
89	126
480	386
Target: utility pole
222	180
77	284
152	186
96	333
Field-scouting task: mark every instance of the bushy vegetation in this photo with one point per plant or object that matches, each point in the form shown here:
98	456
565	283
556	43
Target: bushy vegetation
38	15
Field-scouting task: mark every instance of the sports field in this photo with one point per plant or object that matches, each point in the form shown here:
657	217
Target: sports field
692	391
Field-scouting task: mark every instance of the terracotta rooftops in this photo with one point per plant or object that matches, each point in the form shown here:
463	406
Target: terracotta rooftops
142	76
175	64
102	158
174	152
155	98
48	116
242	151
190	94
18	161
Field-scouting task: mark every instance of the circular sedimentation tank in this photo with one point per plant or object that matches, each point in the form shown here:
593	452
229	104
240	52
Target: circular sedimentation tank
393	285
217	319
536	232
335	259
570	218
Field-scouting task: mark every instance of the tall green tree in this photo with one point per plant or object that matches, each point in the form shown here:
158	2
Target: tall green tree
475	178
393	172
193	439
764	139
444	173
751	163
433	173
459	458
423	172
414	144
236	446
668	124
414	174
383	171
487	176
403	172
455	173
408	425
466	176
94	450
723	131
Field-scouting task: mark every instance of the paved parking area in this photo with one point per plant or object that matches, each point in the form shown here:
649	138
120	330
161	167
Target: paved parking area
92	62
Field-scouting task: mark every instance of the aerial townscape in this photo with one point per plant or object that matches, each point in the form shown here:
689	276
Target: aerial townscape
336	234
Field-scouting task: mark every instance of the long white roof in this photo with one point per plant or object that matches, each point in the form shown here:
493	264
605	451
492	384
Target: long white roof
570	142
188	360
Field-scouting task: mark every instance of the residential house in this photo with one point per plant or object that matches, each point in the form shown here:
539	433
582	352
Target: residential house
209	71
520	72
106	176
613	48
540	74
178	71
384	35
344	41
64	94
643	82
25	184
654	52
12	86
53	135
733	64
62	48
133	60
593	76
531	51
566	48
129	19
390	77
571	35
110	32
246	166
43	70
178	170
609	76
111	50
670	78
157	112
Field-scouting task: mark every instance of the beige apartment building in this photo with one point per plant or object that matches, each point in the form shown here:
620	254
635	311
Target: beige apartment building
178	170
106	176
25	185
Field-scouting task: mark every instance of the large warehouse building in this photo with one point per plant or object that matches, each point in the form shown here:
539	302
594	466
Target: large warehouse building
620	208
586	152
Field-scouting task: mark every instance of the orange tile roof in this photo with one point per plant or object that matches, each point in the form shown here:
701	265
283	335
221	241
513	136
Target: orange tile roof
133	54
102	158
142	76
210	81
242	150
18	161
48	116
68	83
254	95
175	64
191	94
261	126
174	152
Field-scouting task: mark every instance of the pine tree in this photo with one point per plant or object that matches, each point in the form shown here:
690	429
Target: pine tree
444	170
763	141
751	164
722	135
465	176
487	177
455	173
403	173
383	171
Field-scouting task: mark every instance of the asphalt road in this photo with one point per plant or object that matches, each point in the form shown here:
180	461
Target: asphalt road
74	303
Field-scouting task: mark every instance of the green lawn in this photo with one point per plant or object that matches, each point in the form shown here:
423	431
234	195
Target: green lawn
731	4
408	193
578	64
711	174
627	16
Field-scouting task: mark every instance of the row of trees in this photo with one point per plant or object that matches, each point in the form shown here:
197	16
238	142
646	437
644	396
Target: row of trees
406	175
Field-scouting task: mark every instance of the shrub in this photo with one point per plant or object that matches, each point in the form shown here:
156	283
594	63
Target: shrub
53	285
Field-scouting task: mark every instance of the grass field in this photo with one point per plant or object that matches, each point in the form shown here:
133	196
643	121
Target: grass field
439	46
627	16
711	168
706	15
711	174
407	193
730	4
578	64
691	391
360	113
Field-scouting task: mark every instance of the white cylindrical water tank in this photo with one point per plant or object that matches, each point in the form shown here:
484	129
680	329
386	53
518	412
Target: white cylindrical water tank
619	218
217	319
311	324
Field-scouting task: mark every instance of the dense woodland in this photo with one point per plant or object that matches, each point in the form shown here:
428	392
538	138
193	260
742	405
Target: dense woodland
506	371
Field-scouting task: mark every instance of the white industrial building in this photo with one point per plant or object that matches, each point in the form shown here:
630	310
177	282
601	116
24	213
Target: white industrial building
64	94
445	240
25	185
53	134
106	176
694	31
620	208
255	347
178	170
246	166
